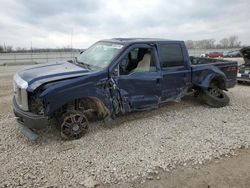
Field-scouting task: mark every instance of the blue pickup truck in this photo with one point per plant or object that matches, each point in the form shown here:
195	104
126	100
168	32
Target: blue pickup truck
114	77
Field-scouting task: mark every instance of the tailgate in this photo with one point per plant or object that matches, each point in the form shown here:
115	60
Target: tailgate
229	68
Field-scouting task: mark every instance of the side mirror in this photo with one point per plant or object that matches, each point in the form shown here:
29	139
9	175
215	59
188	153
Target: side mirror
115	72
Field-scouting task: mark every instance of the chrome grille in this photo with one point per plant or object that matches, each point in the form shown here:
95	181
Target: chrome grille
21	95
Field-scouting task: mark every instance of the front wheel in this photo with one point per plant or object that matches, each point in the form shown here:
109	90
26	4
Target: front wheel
215	97
74	125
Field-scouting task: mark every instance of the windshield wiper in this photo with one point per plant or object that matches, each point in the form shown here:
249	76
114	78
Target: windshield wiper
85	65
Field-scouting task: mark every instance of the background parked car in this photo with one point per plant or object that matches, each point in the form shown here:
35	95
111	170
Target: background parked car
214	54
203	55
235	53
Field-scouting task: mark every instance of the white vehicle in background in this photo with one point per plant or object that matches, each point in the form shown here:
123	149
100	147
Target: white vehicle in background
203	55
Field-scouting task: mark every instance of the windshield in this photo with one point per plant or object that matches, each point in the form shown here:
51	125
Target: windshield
99	55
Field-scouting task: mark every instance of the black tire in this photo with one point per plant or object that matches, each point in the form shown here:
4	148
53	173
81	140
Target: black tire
74	125
215	97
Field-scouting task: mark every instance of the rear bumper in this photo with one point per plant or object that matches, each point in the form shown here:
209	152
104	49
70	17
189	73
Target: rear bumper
231	84
28	119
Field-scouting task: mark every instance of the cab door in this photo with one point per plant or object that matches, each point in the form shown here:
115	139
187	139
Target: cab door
139	89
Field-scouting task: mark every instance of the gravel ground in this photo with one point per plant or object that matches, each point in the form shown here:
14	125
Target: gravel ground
135	146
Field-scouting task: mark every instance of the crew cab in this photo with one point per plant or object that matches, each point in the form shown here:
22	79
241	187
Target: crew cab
114	77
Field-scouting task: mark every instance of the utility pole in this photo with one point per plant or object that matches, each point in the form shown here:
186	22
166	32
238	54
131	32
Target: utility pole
4	47
31	54
71	43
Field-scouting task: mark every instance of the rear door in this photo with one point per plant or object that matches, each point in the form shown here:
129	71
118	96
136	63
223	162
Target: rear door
176	72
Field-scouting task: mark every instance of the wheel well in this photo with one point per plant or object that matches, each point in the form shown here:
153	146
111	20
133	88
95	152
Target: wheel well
92	107
92	104
218	81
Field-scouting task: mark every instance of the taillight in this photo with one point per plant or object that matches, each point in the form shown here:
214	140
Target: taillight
232	69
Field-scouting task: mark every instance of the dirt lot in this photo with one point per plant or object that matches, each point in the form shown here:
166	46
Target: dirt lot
182	144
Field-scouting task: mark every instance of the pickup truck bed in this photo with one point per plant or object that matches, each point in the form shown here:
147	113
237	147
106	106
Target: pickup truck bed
202	60
225	68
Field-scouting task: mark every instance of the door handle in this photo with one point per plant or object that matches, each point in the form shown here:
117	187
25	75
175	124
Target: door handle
158	80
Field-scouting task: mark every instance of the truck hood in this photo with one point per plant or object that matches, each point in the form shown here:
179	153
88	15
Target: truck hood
40	74
246	55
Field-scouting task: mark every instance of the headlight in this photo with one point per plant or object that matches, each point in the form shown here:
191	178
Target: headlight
35	103
20	87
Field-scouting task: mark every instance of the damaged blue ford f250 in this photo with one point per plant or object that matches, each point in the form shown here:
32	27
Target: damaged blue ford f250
114	77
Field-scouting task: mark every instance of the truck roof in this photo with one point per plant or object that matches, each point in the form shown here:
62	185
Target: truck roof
135	40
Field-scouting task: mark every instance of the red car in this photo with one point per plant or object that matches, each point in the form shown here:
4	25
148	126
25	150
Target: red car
214	54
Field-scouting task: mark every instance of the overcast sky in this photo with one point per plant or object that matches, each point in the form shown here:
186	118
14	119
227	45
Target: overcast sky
49	23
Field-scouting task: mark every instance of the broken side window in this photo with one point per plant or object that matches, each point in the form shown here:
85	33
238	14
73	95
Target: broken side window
137	60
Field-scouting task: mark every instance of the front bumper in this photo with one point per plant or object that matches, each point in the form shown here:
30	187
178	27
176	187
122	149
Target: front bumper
28	121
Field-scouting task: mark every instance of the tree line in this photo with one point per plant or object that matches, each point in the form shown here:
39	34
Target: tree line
230	42
8	49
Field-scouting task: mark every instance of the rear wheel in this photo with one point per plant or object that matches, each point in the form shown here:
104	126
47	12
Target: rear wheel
215	97
74	125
